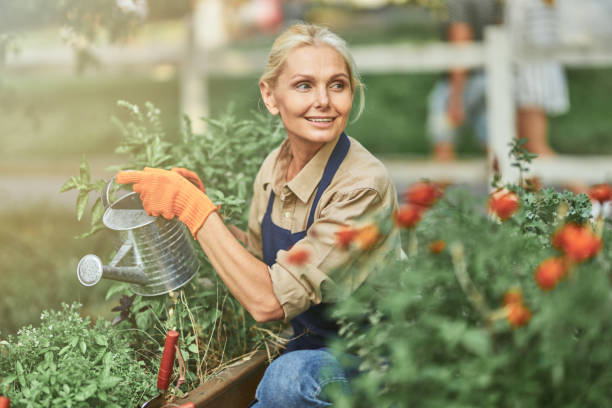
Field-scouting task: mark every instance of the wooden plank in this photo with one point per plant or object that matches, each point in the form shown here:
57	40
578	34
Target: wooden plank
234	387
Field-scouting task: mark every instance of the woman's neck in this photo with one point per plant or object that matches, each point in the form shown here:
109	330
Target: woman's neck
301	153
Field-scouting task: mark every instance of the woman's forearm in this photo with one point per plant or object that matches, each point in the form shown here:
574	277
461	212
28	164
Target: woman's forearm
246	277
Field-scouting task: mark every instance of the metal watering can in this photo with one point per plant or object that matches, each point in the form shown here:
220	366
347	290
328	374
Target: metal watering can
156	255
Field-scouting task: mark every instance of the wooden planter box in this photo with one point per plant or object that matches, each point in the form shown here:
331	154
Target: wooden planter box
234	387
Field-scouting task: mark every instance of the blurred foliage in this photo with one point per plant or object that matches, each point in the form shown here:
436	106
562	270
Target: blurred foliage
38	254
83	23
433	329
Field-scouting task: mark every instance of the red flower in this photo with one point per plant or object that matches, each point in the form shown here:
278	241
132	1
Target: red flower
503	203
408	216
345	235
578	242
423	193
549	273
600	192
513	296
298	256
367	237
518	315
437	246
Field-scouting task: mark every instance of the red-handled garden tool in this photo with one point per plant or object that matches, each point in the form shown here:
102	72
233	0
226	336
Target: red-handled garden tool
167	361
165	370
5	402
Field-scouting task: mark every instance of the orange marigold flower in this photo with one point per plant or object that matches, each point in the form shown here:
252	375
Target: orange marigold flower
549	273
578	242
367	237
600	192
504	203
345	235
423	193
298	256
518	315
408	216
513	296
437	246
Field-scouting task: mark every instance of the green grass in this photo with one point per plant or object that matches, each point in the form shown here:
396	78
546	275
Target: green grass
39	254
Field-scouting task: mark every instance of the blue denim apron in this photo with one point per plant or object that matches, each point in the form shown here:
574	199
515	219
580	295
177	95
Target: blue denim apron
313	327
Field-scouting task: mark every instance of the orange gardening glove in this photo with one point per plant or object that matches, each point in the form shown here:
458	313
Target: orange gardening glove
171	194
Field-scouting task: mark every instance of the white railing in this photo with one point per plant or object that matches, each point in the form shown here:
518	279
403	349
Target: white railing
199	59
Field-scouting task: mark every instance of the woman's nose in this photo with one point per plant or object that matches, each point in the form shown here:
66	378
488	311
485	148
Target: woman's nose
322	98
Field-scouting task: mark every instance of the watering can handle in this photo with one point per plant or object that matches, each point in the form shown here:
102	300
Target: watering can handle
106	193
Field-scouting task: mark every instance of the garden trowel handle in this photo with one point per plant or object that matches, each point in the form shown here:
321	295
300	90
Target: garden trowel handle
4	402
167	361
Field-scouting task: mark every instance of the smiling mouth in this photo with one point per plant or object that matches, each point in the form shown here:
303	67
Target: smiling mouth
320	120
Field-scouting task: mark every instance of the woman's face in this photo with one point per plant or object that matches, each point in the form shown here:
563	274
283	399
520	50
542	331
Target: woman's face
312	94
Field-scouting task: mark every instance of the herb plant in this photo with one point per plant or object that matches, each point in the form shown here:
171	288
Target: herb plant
68	361
214	328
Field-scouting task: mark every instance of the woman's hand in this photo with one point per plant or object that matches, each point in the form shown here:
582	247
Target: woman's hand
170	194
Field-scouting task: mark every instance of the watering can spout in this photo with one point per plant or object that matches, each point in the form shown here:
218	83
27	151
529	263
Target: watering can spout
90	270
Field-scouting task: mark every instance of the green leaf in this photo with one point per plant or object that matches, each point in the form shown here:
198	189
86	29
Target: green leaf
193	348
86	392
82	200
109	382
101	340
84	171
97	211
70	184
83	346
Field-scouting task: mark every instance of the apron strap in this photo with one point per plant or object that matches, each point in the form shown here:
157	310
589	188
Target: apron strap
336	158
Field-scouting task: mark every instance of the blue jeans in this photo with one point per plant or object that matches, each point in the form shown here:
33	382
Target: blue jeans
300	378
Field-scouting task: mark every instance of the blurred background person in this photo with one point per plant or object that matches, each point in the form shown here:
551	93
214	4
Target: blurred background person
540	84
460	97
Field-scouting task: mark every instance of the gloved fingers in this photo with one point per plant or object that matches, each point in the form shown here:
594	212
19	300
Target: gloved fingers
128	177
191	176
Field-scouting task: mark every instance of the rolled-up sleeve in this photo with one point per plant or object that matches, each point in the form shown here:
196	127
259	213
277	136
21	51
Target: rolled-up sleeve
298	287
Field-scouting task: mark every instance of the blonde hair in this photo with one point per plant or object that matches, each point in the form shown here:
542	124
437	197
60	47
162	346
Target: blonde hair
302	34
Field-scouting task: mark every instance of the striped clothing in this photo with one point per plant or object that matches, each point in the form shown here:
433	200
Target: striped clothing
540	83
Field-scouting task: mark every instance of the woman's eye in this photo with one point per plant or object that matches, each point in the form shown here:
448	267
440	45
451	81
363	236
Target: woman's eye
302	85
338	85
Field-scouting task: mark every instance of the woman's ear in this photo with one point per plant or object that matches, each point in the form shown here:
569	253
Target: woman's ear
268	97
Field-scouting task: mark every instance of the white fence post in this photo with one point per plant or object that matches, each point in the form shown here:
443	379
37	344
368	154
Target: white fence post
500	102
206	32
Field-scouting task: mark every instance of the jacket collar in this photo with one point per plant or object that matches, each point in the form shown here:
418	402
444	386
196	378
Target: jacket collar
307	180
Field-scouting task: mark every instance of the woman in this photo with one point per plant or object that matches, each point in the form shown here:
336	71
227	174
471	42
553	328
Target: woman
316	182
